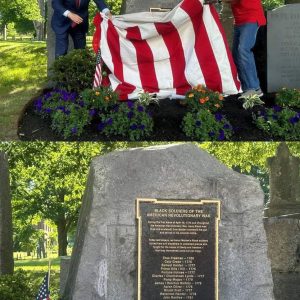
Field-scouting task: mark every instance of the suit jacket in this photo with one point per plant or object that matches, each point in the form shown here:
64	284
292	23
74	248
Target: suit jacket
61	24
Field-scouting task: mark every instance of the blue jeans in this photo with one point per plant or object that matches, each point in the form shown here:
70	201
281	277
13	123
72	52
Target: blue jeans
244	39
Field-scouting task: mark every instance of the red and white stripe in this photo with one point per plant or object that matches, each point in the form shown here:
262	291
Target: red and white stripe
167	53
98	75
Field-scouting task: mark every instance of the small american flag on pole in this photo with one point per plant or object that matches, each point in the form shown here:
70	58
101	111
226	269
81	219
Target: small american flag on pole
44	292
98	72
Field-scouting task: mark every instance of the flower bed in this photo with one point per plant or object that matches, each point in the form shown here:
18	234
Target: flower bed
283	119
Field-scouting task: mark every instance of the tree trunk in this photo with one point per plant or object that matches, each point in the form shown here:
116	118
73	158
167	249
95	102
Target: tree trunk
6	229
5	32
39	26
62	236
39	29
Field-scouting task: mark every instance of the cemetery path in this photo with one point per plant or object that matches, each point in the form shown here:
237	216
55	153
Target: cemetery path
167	119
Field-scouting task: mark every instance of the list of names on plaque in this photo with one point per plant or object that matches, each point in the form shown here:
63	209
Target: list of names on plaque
178	250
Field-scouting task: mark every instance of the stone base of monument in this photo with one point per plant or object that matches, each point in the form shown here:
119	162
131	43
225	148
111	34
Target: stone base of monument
105	263
283	237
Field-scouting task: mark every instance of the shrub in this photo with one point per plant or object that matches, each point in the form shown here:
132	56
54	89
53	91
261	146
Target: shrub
251	101
99	99
129	119
288	98
17	286
271	4
201	97
68	113
75	71
204	125
279	122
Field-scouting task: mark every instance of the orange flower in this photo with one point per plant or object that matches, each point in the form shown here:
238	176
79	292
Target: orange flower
202	100
217	105
191	95
221	97
97	93
206	99
106	98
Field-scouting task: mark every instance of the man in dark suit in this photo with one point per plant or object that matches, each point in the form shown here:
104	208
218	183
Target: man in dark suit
70	17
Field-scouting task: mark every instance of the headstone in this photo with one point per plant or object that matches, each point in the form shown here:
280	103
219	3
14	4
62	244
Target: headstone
6	236
283	237
291	1
281	222
133	6
284	184
283	44
104	263
63	274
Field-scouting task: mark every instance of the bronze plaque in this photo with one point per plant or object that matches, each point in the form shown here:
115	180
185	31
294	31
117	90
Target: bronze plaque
177	249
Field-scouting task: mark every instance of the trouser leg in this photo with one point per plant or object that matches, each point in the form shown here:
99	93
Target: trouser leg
244	41
79	37
61	44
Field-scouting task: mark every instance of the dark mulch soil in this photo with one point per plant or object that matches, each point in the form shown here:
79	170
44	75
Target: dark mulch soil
167	119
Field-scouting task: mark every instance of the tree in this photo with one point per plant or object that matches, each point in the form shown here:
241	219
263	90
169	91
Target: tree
21	12
245	155
6	235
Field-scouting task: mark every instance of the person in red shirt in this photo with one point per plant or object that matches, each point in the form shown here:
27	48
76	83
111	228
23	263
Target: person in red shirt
248	17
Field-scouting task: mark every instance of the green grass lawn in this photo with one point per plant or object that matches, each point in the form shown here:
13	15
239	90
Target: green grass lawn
37	268
23	68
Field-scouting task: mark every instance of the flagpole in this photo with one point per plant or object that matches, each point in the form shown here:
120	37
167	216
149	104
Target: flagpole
49	266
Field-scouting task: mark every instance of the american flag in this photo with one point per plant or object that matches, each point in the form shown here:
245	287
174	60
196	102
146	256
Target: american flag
166	53
44	293
98	73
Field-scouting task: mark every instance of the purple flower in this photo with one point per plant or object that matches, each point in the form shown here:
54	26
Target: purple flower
218	117
47	96
142	127
221	135
115	108
74	130
130	115
62	108
92	112
198	123
227	126
72	97
133	127
101	126
38	104
130	104
81	103
67	112
294	120
48	110
262	113
140	108
277	108
211	134
109	121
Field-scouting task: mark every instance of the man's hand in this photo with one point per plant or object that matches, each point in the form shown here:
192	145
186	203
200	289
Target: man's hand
109	15
75	18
